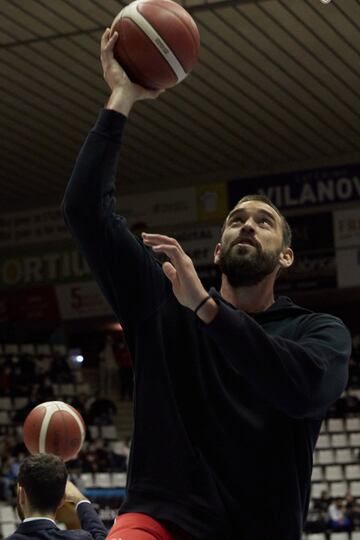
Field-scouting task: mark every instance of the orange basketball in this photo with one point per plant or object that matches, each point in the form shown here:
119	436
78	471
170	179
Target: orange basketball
56	428
158	42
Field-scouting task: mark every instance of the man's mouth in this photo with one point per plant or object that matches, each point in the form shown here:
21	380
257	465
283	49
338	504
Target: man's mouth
244	241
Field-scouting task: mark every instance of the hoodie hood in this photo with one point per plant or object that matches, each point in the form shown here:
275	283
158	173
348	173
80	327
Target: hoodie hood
283	307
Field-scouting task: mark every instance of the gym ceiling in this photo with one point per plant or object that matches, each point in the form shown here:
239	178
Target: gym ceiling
276	88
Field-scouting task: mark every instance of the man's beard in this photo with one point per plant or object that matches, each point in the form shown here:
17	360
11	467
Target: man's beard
244	269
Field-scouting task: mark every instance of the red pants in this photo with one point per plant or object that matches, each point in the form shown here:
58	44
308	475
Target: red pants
135	526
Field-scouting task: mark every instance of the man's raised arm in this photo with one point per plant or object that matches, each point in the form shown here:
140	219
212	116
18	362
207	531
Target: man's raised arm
127	273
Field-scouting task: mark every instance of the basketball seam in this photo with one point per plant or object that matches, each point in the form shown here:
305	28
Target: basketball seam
131	63
66	431
153	2
44	426
74	414
182	74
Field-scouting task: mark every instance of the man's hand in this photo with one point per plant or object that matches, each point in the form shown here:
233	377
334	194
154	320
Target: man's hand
124	92
73	494
186	284
66	513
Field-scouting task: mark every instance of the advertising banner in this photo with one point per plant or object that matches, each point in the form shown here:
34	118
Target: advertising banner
302	189
156	209
199	243
159	208
33	304
212	202
45	267
32	227
81	300
313	244
347	242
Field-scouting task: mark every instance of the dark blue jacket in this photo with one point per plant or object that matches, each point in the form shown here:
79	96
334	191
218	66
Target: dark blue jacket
92	528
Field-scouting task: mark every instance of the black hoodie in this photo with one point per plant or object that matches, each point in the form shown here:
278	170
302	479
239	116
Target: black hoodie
226	414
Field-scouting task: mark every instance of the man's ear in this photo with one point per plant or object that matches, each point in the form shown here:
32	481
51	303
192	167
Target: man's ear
22	494
286	258
62	502
217	252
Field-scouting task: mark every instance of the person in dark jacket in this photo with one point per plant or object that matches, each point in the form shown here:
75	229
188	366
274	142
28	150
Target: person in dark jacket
43	490
227	452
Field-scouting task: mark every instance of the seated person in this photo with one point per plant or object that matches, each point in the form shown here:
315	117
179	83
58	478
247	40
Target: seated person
338	520
43	489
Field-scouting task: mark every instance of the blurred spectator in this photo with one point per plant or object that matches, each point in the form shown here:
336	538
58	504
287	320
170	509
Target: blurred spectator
356	346
125	450
316	521
20	415
27	368
108	367
352	510
10	471
80	403
354	372
349	404
45	392
5	376
125	370
89	458
337	518
102	411
7	482
19	385
42	367
60	371
321	505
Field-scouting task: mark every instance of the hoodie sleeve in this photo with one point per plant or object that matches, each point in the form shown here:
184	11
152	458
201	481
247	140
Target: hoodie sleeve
90	521
129	276
301	377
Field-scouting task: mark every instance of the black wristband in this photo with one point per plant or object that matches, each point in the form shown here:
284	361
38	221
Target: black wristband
202	303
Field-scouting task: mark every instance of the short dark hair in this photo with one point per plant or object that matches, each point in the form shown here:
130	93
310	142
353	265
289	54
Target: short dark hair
43	477
287	235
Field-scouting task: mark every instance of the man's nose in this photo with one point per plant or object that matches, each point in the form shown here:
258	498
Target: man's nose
248	226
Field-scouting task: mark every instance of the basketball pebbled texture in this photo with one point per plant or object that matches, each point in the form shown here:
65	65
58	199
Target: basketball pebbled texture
158	42
56	428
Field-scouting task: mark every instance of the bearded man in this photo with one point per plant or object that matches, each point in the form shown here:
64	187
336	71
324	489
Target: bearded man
231	386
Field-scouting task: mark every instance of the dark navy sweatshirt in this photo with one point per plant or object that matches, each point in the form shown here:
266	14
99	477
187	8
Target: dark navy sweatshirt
226	414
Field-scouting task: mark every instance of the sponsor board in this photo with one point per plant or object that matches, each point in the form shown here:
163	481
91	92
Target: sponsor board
34	304
159	208
302	189
212	202
315	261
32	227
81	300
50	267
347	242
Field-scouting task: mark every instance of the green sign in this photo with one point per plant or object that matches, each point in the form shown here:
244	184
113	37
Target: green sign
51	267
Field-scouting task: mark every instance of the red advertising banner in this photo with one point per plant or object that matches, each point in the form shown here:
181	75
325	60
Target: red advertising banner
33	304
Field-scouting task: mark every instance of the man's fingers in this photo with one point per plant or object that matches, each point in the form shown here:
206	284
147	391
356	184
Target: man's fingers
156	239
176	255
111	41
108	41
170	251
107	48
105	38
169	271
